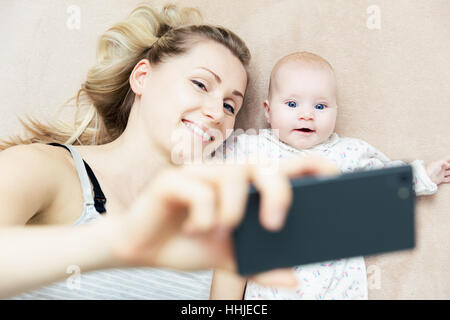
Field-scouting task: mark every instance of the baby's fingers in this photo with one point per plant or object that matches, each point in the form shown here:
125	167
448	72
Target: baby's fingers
446	165
447	173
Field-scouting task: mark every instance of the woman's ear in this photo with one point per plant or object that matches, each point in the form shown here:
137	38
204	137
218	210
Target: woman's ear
267	110
138	75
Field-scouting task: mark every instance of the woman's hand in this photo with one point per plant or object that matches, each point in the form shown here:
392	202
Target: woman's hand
183	220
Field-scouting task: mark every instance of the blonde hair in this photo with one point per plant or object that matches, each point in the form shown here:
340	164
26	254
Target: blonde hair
106	96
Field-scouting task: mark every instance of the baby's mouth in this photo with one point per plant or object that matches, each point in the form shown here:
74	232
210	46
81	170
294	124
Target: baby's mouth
306	130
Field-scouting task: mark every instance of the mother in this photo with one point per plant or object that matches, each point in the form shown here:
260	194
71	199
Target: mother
157	76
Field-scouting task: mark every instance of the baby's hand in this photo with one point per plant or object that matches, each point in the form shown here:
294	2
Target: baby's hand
439	171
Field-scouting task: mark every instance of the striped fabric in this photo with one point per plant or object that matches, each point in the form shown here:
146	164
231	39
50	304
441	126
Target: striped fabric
125	284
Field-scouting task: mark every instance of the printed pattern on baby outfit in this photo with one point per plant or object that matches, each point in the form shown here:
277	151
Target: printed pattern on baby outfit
332	280
343	278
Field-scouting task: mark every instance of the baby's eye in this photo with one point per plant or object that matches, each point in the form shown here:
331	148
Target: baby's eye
199	84
320	106
228	107
292	104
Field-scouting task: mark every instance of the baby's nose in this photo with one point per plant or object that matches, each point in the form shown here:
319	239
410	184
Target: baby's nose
305	115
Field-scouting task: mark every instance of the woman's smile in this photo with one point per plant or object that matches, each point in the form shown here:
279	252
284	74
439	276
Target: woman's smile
199	130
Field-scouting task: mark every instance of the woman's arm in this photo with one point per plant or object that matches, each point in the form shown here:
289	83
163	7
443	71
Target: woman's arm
31	257
227	286
175	223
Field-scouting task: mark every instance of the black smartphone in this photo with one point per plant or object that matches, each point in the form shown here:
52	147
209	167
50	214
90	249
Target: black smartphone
352	214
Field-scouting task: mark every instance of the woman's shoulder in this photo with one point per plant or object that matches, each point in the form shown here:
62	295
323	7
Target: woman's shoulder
36	156
34	177
26	157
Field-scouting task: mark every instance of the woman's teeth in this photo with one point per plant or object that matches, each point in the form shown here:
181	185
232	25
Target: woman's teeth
197	130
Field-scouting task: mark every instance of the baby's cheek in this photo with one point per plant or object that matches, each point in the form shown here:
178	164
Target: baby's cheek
328	125
278	120
279	125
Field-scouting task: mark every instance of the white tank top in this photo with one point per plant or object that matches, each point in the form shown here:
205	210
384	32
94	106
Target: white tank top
129	283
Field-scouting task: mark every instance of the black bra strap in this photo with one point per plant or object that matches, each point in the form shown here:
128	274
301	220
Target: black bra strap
99	197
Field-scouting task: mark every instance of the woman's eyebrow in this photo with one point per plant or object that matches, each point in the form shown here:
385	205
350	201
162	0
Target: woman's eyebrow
215	75
235	92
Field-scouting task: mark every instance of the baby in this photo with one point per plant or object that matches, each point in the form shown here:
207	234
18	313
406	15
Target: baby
301	109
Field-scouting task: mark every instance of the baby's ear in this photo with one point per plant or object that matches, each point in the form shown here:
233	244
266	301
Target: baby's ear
267	111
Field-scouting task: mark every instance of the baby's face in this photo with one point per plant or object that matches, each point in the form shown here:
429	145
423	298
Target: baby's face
302	105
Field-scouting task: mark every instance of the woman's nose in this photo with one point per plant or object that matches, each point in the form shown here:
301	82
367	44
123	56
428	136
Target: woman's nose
214	111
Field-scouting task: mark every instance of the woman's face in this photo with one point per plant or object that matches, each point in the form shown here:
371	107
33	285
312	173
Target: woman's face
189	102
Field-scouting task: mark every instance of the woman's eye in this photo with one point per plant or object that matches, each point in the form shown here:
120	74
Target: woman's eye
199	84
228	107
320	106
292	104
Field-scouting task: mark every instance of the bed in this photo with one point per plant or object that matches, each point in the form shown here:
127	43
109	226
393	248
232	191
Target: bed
391	58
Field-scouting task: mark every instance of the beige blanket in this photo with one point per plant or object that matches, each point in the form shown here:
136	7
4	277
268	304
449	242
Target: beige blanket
392	60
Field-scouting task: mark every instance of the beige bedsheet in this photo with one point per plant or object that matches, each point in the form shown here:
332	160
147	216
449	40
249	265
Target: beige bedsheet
392	60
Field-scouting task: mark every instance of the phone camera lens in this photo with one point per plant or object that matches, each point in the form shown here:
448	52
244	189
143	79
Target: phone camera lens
403	193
